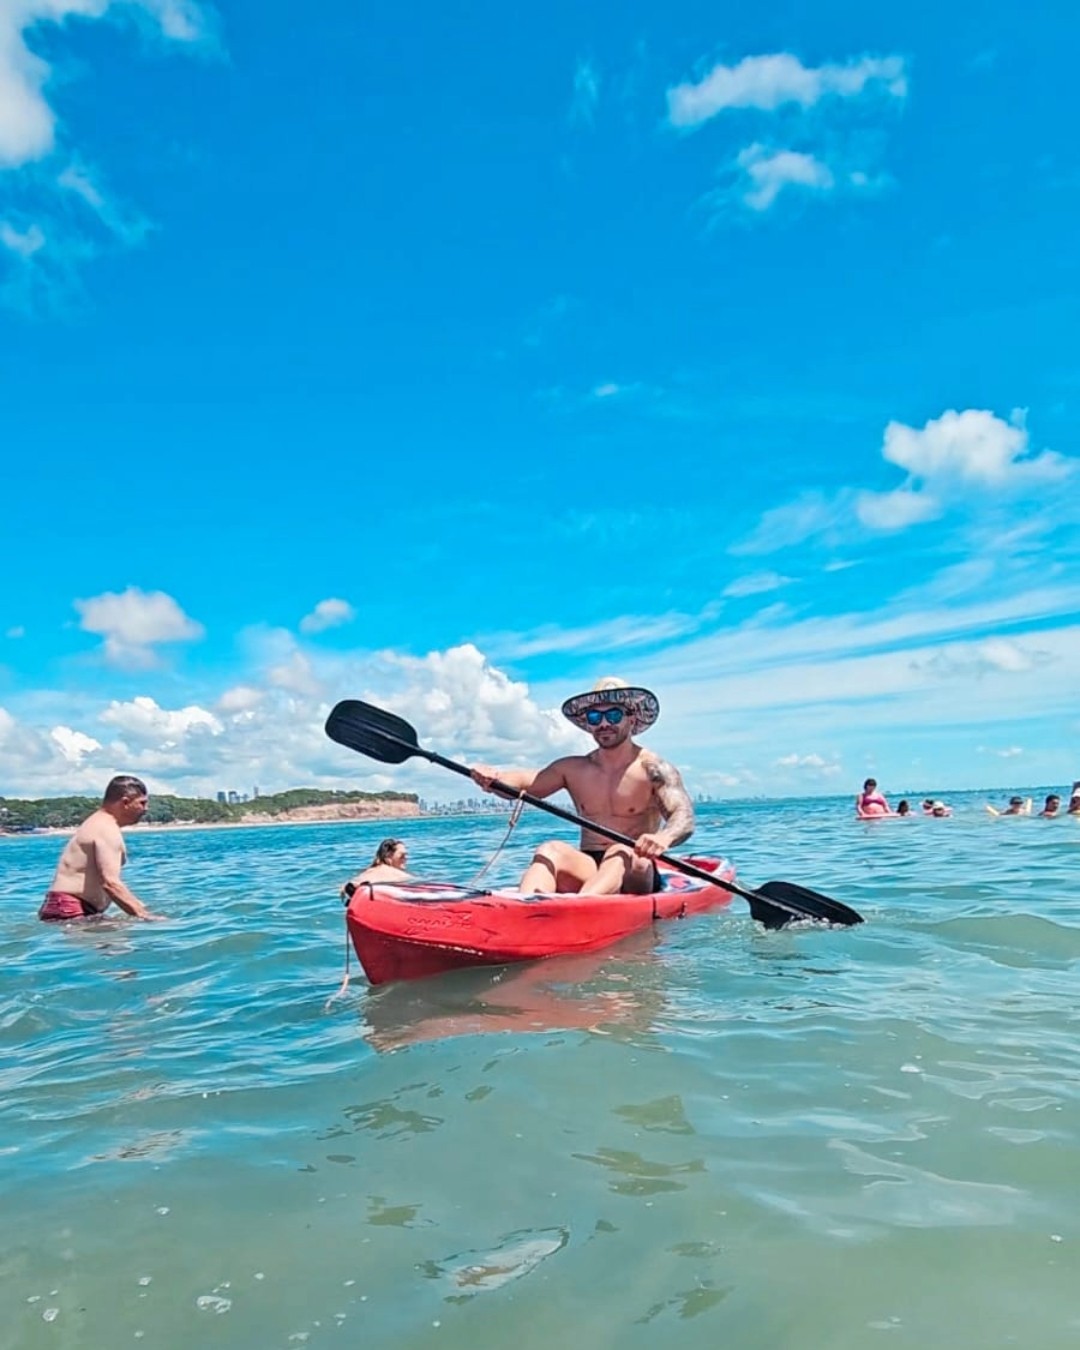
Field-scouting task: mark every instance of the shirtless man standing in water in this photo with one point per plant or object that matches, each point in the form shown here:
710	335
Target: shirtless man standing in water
88	873
619	784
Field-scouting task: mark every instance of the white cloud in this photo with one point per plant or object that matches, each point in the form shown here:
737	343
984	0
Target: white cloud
35	762
327	614
17	632
132	622
460	701
295	675
608	390
896	510
141	720
972	447
1011	752
768	82
950	458
182	20
460	704
242	698
28	125
768	172
74	745
757	583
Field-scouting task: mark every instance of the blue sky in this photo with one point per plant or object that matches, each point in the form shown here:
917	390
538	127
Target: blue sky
456	356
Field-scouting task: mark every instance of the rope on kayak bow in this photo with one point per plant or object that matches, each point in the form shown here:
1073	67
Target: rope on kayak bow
515	816
347	893
345	980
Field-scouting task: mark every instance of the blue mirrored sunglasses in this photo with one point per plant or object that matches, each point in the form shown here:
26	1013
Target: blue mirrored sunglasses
597	715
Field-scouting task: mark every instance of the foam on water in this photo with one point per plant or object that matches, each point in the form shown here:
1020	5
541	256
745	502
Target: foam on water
714	1133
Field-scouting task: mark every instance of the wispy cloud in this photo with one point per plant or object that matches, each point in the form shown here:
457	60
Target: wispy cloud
625	633
586	95
54	211
986	657
799	154
330	613
958	462
779	704
813	764
768	82
757	583
811	515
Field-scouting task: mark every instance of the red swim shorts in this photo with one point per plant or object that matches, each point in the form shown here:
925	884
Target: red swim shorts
59	905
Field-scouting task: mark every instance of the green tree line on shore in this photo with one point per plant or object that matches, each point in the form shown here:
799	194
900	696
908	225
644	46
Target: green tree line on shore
61	812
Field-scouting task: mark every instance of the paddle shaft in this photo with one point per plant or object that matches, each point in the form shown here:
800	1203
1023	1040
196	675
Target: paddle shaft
504	789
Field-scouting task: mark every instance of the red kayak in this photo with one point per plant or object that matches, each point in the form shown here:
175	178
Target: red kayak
406	930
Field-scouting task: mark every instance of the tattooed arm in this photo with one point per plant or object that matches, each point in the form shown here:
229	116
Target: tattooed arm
675	805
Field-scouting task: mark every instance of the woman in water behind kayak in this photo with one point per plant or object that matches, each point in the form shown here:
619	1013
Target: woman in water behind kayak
387	865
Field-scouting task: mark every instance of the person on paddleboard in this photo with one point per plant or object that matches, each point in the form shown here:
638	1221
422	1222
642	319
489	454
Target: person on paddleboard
618	784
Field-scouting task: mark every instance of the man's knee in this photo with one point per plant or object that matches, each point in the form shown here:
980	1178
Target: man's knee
551	854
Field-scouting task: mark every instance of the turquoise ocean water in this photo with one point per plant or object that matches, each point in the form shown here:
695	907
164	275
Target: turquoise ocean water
714	1136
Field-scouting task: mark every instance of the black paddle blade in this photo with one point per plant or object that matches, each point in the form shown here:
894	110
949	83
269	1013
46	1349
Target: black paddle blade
807	904
373	731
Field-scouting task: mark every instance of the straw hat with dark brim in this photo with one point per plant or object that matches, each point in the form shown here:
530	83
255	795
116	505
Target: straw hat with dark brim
641	704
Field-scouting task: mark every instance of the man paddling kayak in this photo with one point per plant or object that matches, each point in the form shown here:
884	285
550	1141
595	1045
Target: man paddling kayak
619	784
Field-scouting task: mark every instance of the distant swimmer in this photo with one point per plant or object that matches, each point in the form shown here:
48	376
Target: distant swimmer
1018	806
1074	800
932	807
903	808
1052	807
387	865
87	876
870	802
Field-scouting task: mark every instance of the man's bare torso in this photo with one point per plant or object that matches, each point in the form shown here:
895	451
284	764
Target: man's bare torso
78	872
622	797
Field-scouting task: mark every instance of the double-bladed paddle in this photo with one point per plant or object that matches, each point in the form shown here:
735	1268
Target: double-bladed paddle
383	736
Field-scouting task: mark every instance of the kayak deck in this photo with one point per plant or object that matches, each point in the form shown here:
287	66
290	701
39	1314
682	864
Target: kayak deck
413	929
